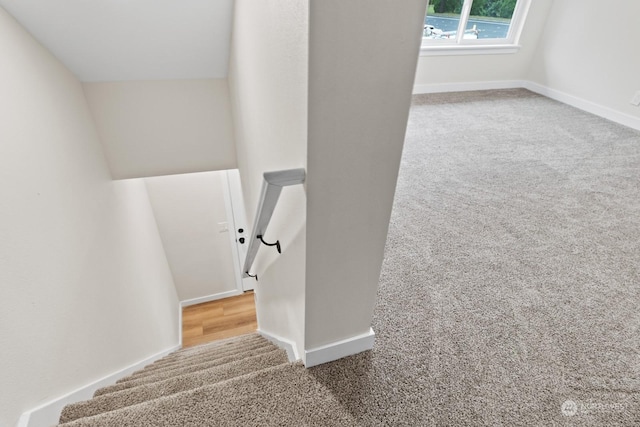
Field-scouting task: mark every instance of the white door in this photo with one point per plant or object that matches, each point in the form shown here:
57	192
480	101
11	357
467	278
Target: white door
193	223
239	230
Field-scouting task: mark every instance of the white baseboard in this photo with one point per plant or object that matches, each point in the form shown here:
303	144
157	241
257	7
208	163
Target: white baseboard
208	298
339	349
583	104
180	325
48	414
284	343
466	86
574	101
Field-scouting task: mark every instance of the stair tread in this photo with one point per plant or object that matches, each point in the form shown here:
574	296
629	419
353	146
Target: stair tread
222	343
203	356
141	393
188	352
267	392
163	375
206	348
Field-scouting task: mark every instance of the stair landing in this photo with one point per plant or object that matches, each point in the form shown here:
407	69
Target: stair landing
219	319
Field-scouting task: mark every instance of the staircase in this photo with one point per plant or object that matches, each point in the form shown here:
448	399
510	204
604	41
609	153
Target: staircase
243	381
184	386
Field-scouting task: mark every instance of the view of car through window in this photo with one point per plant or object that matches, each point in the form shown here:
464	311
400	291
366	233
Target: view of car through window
487	19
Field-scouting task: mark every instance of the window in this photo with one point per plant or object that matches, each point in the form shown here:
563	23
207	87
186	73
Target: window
473	26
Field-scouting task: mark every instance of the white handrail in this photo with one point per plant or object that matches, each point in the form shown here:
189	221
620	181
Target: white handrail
271	189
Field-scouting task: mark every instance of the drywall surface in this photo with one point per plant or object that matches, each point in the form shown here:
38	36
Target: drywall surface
188	210
151	128
439	71
132	40
362	63
84	282
268	86
589	50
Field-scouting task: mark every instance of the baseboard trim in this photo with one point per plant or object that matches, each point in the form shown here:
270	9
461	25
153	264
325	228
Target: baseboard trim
284	343
582	104
466	86
48	414
574	101
208	298
180	325
339	349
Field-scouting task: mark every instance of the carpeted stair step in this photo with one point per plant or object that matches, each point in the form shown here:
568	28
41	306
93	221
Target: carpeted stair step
192	366
142	393
217	346
225	346
200	358
285	395
162	375
236	351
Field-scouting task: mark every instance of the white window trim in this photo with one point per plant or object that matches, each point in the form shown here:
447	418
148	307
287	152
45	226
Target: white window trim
462	46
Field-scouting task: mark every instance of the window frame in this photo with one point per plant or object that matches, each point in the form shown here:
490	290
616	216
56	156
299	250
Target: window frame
462	46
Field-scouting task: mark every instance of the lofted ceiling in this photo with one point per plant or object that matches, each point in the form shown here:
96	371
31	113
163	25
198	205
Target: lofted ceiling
115	40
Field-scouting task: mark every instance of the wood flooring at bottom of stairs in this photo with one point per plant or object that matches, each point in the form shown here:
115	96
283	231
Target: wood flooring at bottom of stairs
219	319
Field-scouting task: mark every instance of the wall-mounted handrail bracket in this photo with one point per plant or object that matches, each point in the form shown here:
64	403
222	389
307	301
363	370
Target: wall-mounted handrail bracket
276	244
271	188
249	275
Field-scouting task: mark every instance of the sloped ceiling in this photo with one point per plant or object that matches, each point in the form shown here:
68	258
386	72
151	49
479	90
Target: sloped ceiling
115	40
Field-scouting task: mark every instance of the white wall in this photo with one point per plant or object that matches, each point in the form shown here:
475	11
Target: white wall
363	56
132	40
589	50
188	209
436	72
84	283
151	128
268	85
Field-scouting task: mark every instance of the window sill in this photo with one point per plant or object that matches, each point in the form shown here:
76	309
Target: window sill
468	49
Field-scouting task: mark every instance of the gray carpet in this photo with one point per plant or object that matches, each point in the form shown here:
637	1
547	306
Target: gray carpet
226	383
509	287
510	282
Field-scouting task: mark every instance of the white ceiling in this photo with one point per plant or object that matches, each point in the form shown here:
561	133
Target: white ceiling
112	40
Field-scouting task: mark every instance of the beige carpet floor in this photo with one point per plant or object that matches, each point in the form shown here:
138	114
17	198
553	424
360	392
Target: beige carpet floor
511	277
509	294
